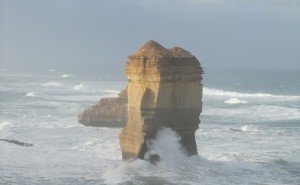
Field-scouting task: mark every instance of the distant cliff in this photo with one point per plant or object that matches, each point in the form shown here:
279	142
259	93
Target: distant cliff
109	112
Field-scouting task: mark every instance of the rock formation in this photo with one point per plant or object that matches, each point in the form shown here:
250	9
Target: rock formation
109	112
17	142
164	90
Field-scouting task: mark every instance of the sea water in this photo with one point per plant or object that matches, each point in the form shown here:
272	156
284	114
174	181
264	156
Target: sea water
249	132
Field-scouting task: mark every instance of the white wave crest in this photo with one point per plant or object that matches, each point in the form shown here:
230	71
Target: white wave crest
233	94
219	92
111	91
4	124
254	113
32	94
249	128
78	86
52	83
235	101
66	76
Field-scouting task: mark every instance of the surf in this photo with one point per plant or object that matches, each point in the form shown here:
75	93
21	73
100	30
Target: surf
234	94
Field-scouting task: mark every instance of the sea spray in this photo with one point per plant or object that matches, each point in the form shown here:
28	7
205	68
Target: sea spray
126	171
167	146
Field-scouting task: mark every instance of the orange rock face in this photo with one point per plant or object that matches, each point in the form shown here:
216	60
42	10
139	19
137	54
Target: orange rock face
164	90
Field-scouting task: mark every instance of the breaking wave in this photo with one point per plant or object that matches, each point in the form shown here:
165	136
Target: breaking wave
52	83
246	128
235	101
66	76
79	86
4	124
233	94
166	145
33	94
111	91
249	128
70	98
254	113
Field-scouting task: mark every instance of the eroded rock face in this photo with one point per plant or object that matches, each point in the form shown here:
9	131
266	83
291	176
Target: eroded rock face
164	89
109	112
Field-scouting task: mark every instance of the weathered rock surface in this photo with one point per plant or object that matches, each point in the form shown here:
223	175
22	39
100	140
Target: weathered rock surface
109	112
164	90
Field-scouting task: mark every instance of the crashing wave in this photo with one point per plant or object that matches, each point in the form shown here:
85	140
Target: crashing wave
235	101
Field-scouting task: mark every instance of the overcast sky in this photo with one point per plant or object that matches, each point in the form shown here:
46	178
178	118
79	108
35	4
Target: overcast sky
98	35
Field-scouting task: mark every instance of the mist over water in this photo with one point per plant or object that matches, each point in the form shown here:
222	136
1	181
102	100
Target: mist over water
248	134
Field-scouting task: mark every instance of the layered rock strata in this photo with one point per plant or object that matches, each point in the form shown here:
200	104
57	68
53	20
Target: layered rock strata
109	112
164	90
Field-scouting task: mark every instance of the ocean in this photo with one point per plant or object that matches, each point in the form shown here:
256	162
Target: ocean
249	132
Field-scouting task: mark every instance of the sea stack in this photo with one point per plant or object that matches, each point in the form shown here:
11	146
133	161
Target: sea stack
164	90
109	112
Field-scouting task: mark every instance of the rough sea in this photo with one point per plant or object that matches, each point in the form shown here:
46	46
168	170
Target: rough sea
249	133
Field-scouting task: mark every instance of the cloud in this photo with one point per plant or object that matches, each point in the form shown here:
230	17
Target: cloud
287	10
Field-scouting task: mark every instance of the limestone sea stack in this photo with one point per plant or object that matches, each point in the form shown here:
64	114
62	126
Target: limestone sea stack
164	90
109	112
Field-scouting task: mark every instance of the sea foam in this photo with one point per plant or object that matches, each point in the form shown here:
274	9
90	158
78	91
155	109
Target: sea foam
4	124
52	83
166	144
249	128
33	94
254	113
219	92
235	101
66	76
233	94
111	91
79	86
